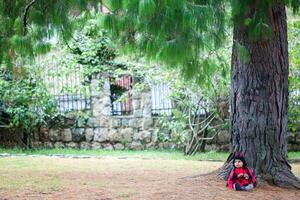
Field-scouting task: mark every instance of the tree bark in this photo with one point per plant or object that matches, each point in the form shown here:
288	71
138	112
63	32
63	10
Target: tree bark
259	101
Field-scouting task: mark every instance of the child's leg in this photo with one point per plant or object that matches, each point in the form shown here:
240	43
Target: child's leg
248	187
237	187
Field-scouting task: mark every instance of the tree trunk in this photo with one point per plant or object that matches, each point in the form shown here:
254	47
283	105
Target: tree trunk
259	101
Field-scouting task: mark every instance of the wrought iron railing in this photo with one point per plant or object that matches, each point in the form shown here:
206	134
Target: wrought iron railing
161	101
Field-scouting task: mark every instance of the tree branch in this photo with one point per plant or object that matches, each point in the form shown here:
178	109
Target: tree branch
25	14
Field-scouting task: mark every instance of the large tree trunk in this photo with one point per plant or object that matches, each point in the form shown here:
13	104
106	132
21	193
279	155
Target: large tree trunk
259	101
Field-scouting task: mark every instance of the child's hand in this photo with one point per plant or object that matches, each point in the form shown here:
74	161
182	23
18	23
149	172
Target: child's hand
246	176
240	175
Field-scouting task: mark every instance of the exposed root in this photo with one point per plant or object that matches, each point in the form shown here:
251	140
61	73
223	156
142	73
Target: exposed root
201	175
225	171
285	178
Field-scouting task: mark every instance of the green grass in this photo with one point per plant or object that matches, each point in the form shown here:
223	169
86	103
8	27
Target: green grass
161	154
294	155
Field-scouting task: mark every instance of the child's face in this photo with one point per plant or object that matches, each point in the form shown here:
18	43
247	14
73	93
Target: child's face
238	163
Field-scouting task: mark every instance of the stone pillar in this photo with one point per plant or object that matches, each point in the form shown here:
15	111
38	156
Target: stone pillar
146	104
142	103
136	104
100	90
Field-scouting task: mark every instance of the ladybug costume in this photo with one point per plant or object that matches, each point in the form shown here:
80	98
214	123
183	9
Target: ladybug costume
245	182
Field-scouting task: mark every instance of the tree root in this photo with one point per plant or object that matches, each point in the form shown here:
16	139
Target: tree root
225	171
285	178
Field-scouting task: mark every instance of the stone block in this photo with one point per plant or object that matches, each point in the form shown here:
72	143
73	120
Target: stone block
89	134
154	138
104	121
85	145
119	146
223	137
48	145
136	104
101	134
96	145
169	145
101	107
136	95
136	123
66	135
142	136
126	135
72	145
36	144
136	146
54	135
93	122
150	145
147	113
59	145
147	123
224	147
116	123
137	113
146	104
78	134
44	134
125	122
210	147
107	146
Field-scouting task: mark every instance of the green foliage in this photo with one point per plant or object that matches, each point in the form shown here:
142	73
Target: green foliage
294	78
176	33
24	99
242	52
27	26
186	97
294	4
173	129
93	49
182	34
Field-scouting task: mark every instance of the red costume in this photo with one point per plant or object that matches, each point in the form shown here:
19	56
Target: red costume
243	180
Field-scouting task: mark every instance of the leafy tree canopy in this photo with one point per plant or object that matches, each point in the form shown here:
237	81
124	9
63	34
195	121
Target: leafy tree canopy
27	25
185	33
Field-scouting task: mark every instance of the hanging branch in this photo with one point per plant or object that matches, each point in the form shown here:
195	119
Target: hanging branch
25	15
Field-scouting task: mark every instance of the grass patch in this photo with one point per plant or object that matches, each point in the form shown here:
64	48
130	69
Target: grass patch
294	155
160	154
18	180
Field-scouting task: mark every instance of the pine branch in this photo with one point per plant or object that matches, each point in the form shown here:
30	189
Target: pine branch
25	15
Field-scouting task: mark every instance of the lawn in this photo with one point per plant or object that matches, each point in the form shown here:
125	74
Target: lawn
162	154
121	176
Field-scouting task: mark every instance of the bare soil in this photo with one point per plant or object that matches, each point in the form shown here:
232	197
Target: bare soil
117	178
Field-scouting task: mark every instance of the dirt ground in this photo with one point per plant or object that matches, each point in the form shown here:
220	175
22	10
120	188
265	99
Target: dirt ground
122	178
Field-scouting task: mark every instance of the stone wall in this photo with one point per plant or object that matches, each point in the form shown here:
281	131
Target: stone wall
103	131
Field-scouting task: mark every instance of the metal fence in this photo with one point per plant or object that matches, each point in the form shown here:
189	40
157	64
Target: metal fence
201	107
295	93
68	102
161	101
66	84
121	96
